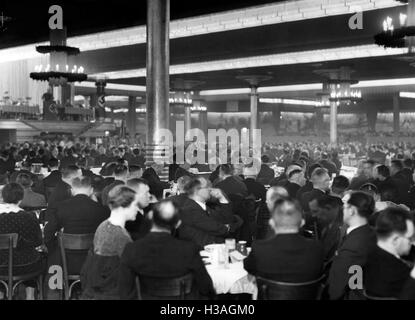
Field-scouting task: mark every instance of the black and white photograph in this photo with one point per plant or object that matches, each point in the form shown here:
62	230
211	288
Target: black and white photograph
207	155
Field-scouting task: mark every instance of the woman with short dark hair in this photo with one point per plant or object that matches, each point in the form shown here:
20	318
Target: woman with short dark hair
99	274
13	219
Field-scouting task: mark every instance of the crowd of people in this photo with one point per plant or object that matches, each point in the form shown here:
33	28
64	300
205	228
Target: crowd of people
308	223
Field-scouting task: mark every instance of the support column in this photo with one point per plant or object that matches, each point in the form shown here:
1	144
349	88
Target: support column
187	119
202	119
158	60
254	114
396	116
371	115
132	117
100	99
319	121
333	124
276	115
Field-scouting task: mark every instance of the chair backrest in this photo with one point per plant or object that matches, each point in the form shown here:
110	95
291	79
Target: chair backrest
75	241
8	241
370	297
275	290
165	287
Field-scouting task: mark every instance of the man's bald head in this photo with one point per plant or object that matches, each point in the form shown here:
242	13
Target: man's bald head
286	216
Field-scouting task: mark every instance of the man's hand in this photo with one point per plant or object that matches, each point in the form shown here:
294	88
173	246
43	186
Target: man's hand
218	194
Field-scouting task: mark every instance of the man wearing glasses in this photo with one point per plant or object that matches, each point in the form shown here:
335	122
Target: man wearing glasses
386	273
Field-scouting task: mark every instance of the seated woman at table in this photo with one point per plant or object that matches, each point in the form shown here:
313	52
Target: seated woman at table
13	219
99	275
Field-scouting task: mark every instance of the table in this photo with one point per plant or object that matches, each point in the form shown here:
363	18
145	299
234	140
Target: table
20	109
78	111
234	279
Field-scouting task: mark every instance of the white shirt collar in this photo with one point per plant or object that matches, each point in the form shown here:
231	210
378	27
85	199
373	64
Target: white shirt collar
203	205
350	229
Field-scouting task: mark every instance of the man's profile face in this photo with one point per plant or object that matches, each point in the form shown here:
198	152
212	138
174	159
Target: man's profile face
315	209
368	170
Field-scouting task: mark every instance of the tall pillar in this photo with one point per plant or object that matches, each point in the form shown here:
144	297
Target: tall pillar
132	117
187	118
254	114
276	116
158	60
319	121
202	119
396	116
371	115
333	123
100	99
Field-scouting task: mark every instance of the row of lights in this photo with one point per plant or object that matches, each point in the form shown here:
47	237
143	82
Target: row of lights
388	22
75	69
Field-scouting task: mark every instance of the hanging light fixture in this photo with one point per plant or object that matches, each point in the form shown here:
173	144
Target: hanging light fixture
181	98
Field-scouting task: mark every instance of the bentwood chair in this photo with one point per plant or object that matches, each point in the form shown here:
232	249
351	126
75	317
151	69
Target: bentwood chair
74	242
371	297
164	288
276	290
11	282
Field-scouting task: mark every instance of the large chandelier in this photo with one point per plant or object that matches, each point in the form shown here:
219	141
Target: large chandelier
181	98
58	75
339	91
402	36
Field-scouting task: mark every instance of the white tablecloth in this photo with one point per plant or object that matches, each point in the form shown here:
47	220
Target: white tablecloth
233	280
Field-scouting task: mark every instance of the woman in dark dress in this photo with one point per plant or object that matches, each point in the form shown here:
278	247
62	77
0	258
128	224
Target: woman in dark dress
26	259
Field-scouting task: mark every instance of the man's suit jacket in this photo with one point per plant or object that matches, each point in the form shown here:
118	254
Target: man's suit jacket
255	188
307	196
292	189
385	275
204	227
179	199
139	227
354	250
52	179
77	215
233	186
286	257
160	255
61	193
265	175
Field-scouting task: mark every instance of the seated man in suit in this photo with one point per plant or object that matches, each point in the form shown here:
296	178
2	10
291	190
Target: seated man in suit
386	274
321	186
202	224
160	255
254	188
296	180
273	194
55	176
356	245
181	197
229	183
141	225
329	216
62	190
77	215
288	256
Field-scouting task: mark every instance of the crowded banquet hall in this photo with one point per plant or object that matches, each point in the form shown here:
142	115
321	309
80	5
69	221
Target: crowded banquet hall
212	150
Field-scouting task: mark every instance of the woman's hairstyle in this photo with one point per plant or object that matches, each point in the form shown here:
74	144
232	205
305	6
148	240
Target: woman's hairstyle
364	203
12	193
120	197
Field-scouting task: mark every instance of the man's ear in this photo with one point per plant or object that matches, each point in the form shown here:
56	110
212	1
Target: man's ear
271	223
